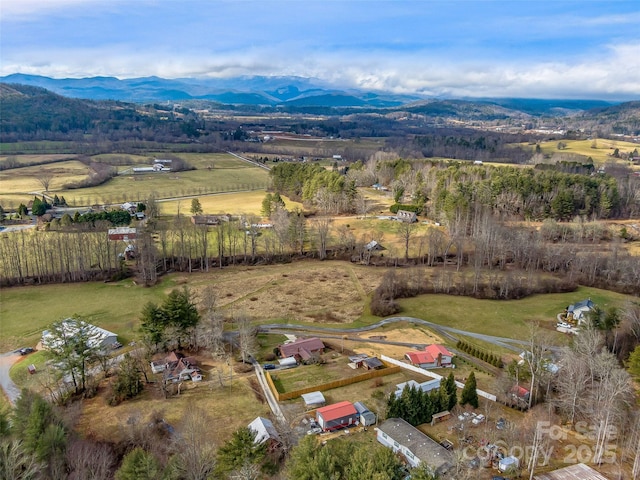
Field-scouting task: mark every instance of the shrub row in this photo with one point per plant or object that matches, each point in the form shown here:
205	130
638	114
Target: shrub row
483	355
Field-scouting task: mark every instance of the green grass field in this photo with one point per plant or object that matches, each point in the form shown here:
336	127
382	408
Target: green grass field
503	318
602	152
26	311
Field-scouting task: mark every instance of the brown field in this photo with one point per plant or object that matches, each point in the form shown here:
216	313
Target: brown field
314	292
209	395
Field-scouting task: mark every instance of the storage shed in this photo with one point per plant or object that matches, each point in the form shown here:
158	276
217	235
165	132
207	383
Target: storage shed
313	399
367	417
338	415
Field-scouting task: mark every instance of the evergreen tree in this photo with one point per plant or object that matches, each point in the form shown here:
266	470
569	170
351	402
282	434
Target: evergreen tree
139	464
240	451
469	393
450	391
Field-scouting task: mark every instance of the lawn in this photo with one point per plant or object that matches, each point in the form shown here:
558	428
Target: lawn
304	376
26	311
504	318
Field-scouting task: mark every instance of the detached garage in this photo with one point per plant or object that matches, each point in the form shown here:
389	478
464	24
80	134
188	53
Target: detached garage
338	415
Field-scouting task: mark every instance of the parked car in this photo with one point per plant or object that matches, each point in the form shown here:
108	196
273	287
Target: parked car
269	366
563	325
314	431
478	420
26	351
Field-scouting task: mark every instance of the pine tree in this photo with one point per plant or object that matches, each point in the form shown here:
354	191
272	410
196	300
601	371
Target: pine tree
469	393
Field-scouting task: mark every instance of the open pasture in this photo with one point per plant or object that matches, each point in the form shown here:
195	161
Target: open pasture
600	149
234	175
21	183
235	203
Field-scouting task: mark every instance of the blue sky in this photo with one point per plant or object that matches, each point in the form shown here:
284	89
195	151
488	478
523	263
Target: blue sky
546	49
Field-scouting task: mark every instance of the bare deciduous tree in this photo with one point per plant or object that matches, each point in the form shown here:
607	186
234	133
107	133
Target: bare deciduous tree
196	453
45	180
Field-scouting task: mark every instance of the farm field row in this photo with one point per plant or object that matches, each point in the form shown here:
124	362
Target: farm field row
215	173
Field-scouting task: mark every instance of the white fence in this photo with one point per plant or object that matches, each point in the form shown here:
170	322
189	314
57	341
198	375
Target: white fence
427	373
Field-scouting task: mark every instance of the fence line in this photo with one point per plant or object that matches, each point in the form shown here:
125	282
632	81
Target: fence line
427	373
329	385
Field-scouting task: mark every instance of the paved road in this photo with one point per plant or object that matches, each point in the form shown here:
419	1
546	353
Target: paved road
10	388
509	343
268	394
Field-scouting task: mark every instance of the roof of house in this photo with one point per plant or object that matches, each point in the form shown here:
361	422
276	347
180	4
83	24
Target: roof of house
420	357
264	430
373	362
303	347
424	386
435	349
313	398
519	391
358	357
584	304
578	471
95	335
337	410
423	447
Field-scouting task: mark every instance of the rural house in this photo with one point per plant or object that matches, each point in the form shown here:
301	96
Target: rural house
579	311
414	445
207	220
303	349
338	415
176	367
96	337
433	356
425	387
264	431
406	217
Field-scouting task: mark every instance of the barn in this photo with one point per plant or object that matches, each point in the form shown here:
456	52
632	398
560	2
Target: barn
338	415
122	233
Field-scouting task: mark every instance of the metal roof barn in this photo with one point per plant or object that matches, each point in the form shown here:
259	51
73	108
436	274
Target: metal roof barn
338	415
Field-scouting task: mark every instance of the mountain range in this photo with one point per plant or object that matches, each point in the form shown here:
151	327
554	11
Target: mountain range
275	91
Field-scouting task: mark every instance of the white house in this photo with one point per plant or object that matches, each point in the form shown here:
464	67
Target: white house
425	387
264	430
415	446
96	337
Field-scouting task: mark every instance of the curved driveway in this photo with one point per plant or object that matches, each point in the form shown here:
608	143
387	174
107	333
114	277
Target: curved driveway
509	343
10	388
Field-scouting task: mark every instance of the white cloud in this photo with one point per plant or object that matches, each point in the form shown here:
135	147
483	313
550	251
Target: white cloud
614	73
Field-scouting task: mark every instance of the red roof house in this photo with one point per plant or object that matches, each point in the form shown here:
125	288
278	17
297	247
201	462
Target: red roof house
338	415
302	349
433	356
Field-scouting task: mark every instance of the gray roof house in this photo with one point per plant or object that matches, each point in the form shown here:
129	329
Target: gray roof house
414	445
265	432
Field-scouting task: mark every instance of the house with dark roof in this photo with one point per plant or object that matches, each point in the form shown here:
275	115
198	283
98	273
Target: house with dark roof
579	311
413	445
372	363
176	367
337	415
303	349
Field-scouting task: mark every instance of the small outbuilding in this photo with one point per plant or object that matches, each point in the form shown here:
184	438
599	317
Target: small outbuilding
367	417
313	400
288	362
265	432
508	463
372	363
336	416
